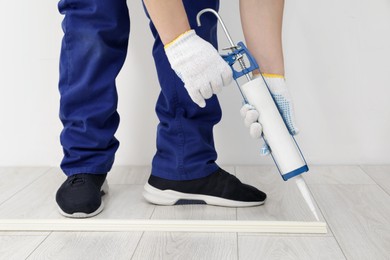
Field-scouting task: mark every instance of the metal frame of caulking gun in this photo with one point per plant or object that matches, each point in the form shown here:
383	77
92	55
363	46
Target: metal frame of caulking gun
237	54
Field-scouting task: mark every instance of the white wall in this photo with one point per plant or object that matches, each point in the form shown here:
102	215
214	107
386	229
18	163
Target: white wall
337	64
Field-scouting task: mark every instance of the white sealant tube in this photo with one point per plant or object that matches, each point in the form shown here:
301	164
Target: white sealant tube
283	147
284	150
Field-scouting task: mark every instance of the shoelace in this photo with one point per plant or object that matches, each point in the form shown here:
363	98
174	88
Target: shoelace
76	180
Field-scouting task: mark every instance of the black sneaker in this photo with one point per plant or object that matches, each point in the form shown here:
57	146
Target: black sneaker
80	196
219	189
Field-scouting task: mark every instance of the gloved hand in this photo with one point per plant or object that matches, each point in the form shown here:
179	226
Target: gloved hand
282	97
251	120
199	66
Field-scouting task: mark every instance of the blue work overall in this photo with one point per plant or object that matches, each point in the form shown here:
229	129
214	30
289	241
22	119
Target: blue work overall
94	48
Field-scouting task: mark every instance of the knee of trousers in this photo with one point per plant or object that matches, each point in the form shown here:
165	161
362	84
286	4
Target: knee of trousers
93	50
104	20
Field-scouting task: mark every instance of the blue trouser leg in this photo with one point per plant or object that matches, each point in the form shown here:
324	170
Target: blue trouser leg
93	51
185	145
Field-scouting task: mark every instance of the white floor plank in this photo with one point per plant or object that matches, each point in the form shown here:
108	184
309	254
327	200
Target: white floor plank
380	174
125	202
302	248
18	247
37	200
88	245
15	179
284	201
359	218
337	174
129	175
197	246
355	207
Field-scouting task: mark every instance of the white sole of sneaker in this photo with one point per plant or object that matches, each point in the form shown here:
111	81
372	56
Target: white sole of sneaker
170	197
104	189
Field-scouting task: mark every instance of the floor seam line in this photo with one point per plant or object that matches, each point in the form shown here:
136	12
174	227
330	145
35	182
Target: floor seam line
35	249
17	192
376	183
139	241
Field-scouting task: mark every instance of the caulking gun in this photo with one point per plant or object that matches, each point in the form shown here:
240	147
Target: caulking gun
284	149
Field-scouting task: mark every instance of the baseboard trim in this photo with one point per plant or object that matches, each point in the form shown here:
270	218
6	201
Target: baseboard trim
116	225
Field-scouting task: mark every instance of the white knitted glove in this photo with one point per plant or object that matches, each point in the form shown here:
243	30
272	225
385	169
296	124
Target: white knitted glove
199	66
251	120
277	86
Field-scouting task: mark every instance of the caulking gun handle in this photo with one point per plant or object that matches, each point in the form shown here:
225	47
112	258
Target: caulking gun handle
231	59
240	51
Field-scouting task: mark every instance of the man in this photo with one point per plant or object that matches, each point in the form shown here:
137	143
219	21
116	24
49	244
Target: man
190	73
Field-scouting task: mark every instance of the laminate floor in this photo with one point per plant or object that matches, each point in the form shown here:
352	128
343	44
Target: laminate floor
353	200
